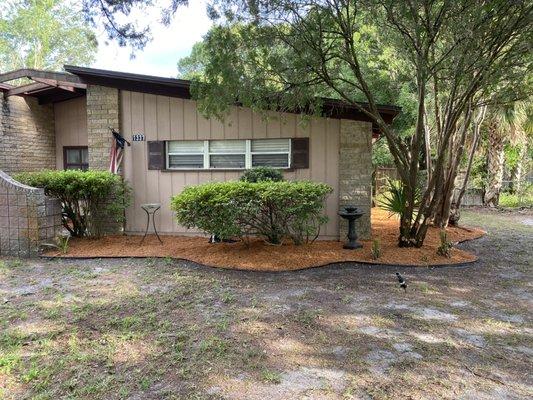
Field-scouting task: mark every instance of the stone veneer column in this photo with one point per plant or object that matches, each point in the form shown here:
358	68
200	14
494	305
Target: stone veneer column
27	135
355	173
102	113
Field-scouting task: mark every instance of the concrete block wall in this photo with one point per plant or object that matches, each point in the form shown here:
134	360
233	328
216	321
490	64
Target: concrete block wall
102	113
355	173
28	218
27	135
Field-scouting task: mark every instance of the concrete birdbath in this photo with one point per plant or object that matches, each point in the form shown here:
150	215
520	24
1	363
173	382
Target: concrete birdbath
351	213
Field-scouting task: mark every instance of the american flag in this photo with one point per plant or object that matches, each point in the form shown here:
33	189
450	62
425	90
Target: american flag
117	151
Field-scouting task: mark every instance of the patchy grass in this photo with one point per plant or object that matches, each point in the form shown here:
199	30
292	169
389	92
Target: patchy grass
165	329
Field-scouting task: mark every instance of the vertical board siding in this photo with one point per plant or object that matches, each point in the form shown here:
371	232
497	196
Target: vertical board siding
70	125
165	118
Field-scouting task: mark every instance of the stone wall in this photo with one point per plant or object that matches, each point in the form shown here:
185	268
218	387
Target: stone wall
28	218
27	135
102	113
355	173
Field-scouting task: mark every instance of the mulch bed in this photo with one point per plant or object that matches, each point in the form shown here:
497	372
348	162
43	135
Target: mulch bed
260	256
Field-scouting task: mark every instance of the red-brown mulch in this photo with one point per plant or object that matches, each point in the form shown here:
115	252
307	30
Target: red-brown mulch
264	257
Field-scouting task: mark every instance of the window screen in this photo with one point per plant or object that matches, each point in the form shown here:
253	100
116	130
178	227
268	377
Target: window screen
227	154
186	154
270	153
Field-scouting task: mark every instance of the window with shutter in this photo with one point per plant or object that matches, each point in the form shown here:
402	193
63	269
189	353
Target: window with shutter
229	154
270	153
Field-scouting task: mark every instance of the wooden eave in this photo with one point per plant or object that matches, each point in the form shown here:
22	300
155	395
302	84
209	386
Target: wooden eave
47	86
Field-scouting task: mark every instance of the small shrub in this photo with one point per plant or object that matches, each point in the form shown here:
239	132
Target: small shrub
394	198
516	200
271	210
89	199
62	243
445	247
376	249
262	174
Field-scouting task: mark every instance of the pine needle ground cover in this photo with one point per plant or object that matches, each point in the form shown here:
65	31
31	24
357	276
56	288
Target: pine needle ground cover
260	256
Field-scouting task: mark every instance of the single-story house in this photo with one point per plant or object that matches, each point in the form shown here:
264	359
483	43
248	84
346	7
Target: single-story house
61	120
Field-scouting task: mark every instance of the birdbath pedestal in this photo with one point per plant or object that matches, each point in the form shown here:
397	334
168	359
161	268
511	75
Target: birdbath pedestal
351	213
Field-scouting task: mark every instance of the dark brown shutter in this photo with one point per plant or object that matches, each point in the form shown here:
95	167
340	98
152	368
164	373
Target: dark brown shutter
156	155
300	153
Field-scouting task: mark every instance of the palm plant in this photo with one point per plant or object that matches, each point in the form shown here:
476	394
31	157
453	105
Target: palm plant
394	198
508	123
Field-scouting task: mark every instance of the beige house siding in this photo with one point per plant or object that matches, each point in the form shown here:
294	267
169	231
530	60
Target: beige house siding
168	118
70	125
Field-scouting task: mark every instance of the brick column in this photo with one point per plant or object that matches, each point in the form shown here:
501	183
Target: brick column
102	113
355	173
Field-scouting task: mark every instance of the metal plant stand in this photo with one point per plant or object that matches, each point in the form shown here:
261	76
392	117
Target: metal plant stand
150	210
351	213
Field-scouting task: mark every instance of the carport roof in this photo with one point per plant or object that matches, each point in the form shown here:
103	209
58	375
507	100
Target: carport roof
46	86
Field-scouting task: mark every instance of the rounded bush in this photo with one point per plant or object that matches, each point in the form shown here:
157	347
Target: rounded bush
274	211
88	198
262	174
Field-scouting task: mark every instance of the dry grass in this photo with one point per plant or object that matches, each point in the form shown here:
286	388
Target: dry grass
260	256
166	329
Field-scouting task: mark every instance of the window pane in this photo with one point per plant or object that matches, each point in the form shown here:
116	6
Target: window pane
73	156
186	146
227	146
186	161
270	160
227	160
270	145
84	156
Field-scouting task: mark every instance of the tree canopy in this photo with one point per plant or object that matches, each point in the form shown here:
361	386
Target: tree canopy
44	34
445	56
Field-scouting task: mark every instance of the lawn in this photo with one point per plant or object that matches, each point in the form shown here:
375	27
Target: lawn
165	329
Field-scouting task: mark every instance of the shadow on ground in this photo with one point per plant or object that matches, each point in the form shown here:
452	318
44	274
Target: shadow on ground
162	329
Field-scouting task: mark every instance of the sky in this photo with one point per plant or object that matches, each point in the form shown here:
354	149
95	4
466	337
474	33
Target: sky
169	44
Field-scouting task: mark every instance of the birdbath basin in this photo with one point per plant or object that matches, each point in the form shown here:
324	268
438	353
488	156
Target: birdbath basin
351	213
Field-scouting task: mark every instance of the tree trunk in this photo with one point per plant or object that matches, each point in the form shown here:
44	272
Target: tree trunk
518	170
455	213
495	164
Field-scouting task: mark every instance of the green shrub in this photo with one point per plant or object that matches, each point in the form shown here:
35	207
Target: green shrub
515	200
272	210
394	198
262	174
89	199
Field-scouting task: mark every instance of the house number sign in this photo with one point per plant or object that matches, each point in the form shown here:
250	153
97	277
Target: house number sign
137	137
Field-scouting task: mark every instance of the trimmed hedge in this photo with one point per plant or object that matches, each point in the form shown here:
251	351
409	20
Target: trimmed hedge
262	174
89	199
274	211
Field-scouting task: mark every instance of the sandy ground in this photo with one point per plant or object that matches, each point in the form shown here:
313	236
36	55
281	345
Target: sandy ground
259	256
165	329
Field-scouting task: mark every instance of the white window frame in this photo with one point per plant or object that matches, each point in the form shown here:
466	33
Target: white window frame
207	161
209	153
168	154
249	151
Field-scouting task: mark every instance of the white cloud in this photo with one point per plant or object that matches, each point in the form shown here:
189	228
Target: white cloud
169	44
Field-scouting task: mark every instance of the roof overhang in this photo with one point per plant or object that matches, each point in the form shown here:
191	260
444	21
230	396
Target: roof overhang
181	88
46	86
